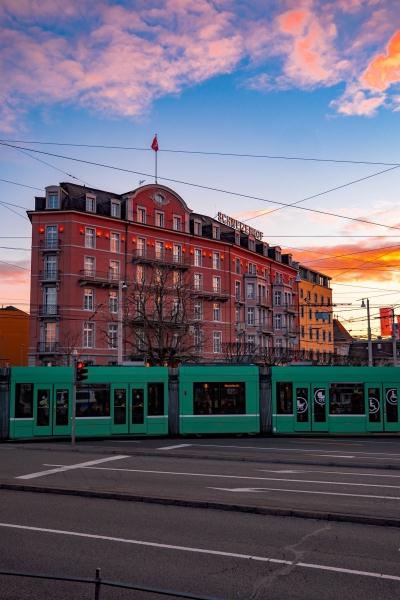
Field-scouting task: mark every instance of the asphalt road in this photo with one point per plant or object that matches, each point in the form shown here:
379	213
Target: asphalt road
226	555
309	488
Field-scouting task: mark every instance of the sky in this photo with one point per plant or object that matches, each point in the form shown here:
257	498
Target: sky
277	81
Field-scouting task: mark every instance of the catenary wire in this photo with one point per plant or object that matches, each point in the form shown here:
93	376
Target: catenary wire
228	192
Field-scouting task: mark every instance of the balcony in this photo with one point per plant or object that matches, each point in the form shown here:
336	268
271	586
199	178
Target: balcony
263	301
49	310
166	258
48	348
50	245
49	275
104	279
211	293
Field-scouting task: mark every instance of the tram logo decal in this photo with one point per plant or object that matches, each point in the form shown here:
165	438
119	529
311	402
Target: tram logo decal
374	405
319	396
302	405
391	396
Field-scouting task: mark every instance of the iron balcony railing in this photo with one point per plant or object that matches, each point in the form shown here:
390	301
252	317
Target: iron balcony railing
50	244
49	275
109	278
164	257
48	347
49	310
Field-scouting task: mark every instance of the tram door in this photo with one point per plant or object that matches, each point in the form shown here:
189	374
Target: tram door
310	407
129	409
382	407
52	409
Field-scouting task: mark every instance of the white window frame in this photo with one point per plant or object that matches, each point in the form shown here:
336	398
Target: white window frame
115	209
216	284
251	315
113	302
198	281
115	242
50	197
88	340
88	299
216	311
197	230
114	270
113	336
90	237
250	291
159	218
177	222
217	342
141	215
92	271
197	257
90	205
216	260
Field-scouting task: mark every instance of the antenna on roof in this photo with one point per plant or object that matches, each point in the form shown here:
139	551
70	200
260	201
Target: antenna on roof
141	181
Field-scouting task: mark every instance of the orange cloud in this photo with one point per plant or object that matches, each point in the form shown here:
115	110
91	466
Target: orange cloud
293	21
353	262
384	69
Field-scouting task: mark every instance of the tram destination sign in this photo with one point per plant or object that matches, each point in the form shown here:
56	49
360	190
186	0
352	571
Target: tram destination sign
239	226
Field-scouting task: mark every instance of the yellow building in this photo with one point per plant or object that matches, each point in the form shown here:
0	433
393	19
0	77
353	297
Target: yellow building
14	324
315	311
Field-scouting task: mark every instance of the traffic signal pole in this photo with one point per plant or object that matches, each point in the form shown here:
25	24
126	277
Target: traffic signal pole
73	419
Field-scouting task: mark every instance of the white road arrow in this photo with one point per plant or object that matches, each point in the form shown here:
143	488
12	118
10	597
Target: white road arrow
240	489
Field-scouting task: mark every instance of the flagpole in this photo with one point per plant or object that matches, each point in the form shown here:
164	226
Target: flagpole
156	165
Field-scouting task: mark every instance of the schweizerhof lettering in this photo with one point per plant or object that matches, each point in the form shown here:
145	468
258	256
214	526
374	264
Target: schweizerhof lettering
239	226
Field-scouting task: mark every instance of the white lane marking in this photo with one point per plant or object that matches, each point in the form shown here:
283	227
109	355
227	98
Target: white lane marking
62	468
174	447
335	455
331	473
239	447
184	474
265	489
207	551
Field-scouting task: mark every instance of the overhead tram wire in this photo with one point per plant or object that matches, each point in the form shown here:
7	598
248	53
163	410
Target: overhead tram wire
207	153
223	191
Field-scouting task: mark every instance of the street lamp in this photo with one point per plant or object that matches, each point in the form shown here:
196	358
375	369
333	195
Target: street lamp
122	285
366	305
74	354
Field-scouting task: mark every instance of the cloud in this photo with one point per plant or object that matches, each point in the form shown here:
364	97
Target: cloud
118	57
352	262
384	69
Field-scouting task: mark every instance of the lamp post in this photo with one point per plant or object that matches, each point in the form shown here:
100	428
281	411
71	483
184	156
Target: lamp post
73	417
122	285
394	339
365	304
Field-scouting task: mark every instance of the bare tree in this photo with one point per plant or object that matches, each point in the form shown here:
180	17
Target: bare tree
158	319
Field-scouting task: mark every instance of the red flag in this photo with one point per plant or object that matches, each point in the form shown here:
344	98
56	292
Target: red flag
385	315
154	144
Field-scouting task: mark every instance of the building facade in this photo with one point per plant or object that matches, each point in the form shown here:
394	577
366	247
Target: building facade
109	269
315	317
14	331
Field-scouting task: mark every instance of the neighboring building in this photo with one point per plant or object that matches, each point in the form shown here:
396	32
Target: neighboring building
315	306
14	330
86	242
342	339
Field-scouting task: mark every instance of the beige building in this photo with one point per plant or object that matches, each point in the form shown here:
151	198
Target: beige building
315	311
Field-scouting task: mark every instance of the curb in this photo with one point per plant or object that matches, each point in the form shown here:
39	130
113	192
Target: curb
240	508
223	458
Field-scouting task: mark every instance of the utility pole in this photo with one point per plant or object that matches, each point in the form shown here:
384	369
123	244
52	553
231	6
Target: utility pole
363	305
73	418
394	339
120	333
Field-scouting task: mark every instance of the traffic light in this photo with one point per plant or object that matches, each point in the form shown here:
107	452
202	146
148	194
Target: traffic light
81	371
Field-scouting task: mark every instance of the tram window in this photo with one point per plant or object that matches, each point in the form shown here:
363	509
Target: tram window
62	401
302	405
392	410
120	406
346	399
374	405
284	398
23	400
219	398
93	400
155	399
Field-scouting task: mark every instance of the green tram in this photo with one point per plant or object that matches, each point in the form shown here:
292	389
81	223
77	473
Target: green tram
217	399
335	399
114	401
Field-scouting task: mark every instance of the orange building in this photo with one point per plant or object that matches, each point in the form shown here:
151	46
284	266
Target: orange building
14	331
315	307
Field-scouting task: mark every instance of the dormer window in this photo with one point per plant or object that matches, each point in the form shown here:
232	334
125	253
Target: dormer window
252	245
116	209
52	200
237	238
141	215
216	232
90	203
197	227
177	223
